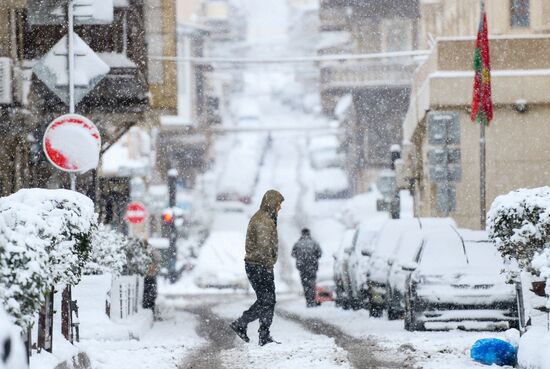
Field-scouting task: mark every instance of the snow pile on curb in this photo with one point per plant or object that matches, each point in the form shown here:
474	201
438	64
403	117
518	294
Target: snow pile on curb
533	349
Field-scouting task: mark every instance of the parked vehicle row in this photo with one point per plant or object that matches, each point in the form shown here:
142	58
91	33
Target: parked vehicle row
425	271
240	175
330	180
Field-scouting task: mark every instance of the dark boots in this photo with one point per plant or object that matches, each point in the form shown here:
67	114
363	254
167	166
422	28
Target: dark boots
266	338
240	330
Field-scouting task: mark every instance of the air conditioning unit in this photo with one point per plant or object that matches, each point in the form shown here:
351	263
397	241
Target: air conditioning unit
6	75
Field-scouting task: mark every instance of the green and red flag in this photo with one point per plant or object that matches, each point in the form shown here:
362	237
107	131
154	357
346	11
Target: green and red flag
482	105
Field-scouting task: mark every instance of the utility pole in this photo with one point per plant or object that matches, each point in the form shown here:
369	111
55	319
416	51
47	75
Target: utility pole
395	204
173	233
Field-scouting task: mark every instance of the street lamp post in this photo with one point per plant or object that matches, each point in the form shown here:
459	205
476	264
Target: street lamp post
173	233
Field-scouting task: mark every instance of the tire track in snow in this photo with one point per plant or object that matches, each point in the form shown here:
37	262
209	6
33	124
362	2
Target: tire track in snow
362	354
220	337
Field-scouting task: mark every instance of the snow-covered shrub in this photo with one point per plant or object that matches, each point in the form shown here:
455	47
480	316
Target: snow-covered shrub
113	252
541	263
519	224
138	257
108	254
44	240
23	260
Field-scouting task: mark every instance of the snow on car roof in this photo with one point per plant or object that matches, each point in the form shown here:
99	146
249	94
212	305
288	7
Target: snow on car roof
391	233
368	230
411	241
323	142
331	179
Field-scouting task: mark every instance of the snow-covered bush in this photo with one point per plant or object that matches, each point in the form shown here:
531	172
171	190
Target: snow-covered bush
138	257
519	224
541	263
44	240
108	253
23	282
113	252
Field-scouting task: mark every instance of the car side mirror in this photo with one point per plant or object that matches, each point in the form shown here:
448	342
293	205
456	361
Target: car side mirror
366	252
409	267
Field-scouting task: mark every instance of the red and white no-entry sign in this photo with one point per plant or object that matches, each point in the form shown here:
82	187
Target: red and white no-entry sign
135	213
72	143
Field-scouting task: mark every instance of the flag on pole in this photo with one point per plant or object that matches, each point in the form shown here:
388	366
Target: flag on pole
482	105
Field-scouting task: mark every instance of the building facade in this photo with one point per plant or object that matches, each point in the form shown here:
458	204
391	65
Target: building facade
379	87
515	140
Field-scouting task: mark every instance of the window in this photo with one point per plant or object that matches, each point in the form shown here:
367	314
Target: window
519	13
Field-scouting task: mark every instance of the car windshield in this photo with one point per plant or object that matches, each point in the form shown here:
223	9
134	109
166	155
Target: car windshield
484	254
441	251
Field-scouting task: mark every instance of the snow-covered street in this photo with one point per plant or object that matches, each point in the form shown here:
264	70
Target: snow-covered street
284	184
326	336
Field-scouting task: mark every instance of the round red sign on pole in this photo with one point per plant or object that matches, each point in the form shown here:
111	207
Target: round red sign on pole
135	213
72	143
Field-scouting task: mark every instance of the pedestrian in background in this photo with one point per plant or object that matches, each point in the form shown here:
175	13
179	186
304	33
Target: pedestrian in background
150	290
307	253
262	247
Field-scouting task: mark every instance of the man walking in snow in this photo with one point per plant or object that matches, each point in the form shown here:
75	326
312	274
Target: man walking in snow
307	253
261	255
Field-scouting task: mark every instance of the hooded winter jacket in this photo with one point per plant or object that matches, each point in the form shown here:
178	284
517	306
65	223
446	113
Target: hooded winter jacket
261	237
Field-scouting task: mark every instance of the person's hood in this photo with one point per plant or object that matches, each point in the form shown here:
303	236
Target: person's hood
271	200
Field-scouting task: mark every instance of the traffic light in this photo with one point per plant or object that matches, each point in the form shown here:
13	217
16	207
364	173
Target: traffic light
168	217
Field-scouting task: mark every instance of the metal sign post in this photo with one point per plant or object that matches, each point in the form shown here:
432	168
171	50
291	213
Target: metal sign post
482	179
66	298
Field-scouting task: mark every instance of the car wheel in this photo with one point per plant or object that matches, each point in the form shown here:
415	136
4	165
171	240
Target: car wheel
376	311
392	314
355	304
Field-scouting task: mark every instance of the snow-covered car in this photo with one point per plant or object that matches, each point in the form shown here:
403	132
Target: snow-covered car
326	158
456	282
358	261
331	183
403	255
12	350
220	262
341	274
376	262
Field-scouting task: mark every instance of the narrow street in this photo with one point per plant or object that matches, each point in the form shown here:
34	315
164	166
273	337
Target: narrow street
325	337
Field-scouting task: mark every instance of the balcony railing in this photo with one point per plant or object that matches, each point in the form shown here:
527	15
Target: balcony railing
358	75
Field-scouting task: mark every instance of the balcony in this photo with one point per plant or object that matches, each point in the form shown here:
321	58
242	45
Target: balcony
366	75
333	19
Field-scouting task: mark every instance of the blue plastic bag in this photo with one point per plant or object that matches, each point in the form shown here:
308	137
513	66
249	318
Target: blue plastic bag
491	351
